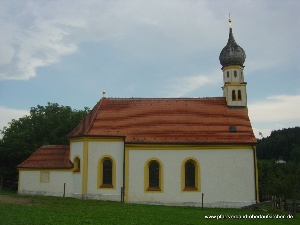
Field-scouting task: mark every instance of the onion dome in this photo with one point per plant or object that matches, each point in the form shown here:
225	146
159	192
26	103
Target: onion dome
232	53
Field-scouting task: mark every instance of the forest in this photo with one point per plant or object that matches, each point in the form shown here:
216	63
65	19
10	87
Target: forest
278	154
279	163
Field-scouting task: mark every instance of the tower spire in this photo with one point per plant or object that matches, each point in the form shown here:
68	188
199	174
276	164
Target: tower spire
232	53
232	58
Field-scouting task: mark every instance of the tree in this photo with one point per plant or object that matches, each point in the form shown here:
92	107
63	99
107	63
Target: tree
295	153
279	143
279	179
45	125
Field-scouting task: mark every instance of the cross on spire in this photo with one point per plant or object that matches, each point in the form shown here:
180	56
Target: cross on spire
229	20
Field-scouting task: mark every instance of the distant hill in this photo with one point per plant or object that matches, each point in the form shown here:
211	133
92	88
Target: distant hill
281	144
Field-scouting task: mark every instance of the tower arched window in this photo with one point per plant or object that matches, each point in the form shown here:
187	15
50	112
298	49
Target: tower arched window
239	95
227	74
233	95
235	74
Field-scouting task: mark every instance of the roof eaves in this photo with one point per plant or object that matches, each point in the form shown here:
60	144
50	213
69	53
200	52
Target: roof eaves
95	114
87	120
96	136
45	167
194	143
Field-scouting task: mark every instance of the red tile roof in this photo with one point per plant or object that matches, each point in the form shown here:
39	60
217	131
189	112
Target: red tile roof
49	157
167	120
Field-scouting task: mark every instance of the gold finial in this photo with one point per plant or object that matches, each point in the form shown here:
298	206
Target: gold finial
229	20
103	92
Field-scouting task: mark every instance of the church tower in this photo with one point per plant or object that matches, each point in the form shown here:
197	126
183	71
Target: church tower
232	58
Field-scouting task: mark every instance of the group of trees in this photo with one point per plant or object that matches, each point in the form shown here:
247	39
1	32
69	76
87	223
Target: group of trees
281	144
51	124
279	179
45	125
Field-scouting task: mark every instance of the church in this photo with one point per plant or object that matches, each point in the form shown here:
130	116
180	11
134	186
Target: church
172	151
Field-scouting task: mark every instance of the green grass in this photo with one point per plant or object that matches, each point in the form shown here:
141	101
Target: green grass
20	209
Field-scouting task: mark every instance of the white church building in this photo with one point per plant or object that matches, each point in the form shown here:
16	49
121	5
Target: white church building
177	151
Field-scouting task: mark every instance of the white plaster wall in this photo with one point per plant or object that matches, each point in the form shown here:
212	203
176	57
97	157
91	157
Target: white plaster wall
227	177
96	150
76	149
30	183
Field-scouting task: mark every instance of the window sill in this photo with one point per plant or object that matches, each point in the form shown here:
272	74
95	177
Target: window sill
106	186
153	189
190	189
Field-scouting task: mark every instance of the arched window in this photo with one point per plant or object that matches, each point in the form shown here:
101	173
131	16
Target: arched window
239	95
106	172
233	95
190	175
153	175
235	74
76	163
227	74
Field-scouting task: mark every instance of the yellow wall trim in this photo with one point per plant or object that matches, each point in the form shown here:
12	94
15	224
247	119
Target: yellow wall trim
19	178
186	147
232	67
48	169
77	164
44	176
85	167
100	172
97	139
126	176
197	174
146	175
234	84
256	174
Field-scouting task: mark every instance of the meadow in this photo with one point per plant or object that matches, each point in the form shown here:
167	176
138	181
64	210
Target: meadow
21	209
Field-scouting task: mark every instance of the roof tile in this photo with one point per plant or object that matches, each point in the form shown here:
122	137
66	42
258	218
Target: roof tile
167	120
49	156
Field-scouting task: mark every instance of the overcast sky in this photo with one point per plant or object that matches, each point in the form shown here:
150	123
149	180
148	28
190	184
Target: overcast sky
68	51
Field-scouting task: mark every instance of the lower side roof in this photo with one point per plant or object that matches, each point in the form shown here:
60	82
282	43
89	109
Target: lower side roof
49	157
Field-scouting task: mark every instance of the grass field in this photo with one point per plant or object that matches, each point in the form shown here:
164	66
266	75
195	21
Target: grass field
20	209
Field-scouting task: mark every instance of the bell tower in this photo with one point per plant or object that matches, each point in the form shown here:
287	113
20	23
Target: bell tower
232	58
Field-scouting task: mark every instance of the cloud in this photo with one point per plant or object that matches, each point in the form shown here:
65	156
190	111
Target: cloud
40	33
275	112
276	109
8	114
31	40
182	86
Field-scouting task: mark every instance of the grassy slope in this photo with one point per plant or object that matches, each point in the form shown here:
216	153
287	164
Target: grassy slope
16	209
